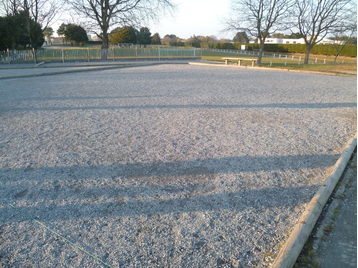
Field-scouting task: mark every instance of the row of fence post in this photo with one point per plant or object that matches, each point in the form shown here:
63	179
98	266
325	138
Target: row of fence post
12	56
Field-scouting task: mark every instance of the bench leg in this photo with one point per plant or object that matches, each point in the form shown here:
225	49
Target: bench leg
253	63
239	63
226	62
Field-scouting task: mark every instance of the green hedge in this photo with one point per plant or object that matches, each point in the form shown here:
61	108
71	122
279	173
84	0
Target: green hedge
94	42
348	51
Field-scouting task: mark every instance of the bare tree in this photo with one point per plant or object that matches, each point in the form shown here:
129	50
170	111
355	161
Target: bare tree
35	16
41	11
346	32
258	18
105	14
344	35
9	7
317	18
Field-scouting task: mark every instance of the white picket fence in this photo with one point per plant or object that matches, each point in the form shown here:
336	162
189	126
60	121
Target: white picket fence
94	54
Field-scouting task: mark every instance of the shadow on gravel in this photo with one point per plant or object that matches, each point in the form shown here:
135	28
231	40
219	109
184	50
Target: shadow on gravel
93	98
189	106
84	207
152	188
188	167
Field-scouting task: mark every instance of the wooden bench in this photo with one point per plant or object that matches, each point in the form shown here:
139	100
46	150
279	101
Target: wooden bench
239	60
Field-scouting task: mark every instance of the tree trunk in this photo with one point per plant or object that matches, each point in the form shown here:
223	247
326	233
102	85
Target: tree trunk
104	48
335	58
261	51
104	53
34	55
308	51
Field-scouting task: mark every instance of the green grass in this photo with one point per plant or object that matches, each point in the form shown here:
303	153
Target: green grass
350	64
308	256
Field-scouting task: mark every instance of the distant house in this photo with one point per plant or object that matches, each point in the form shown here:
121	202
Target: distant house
272	40
96	38
58	40
252	40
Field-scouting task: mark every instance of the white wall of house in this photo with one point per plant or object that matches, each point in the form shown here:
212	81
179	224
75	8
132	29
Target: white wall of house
284	41
294	41
58	41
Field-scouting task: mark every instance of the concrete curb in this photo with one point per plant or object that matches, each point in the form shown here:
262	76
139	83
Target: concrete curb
336	202
272	69
104	66
88	68
297	239
60	72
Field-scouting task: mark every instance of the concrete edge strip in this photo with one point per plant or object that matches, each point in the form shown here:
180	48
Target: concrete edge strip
61	72
218	65
93	64
297	239
327	220
273	69
88	69
124	65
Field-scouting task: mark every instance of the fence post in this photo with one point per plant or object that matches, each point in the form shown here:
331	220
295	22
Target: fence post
324	61
34	55
88	55
63	56
136	52
8	56
159	52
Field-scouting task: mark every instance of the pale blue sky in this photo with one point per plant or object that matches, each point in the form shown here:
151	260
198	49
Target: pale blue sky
199	17
192	17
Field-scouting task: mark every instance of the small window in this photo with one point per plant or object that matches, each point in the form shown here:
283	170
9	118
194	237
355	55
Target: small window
287	42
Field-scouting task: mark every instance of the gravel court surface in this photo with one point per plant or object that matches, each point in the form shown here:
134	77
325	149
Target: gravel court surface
165	166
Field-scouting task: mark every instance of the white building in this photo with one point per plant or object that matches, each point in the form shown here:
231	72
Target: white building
271	40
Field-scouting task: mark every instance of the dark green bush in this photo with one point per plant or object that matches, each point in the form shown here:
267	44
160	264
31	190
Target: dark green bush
348	51
94	42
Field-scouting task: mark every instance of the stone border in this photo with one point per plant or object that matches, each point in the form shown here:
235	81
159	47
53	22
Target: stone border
86	68
273	69
320	233
289	253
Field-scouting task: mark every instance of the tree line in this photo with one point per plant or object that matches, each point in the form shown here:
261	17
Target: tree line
313	20
22	22
20	30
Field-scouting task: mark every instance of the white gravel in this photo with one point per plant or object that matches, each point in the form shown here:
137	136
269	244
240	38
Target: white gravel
164	166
